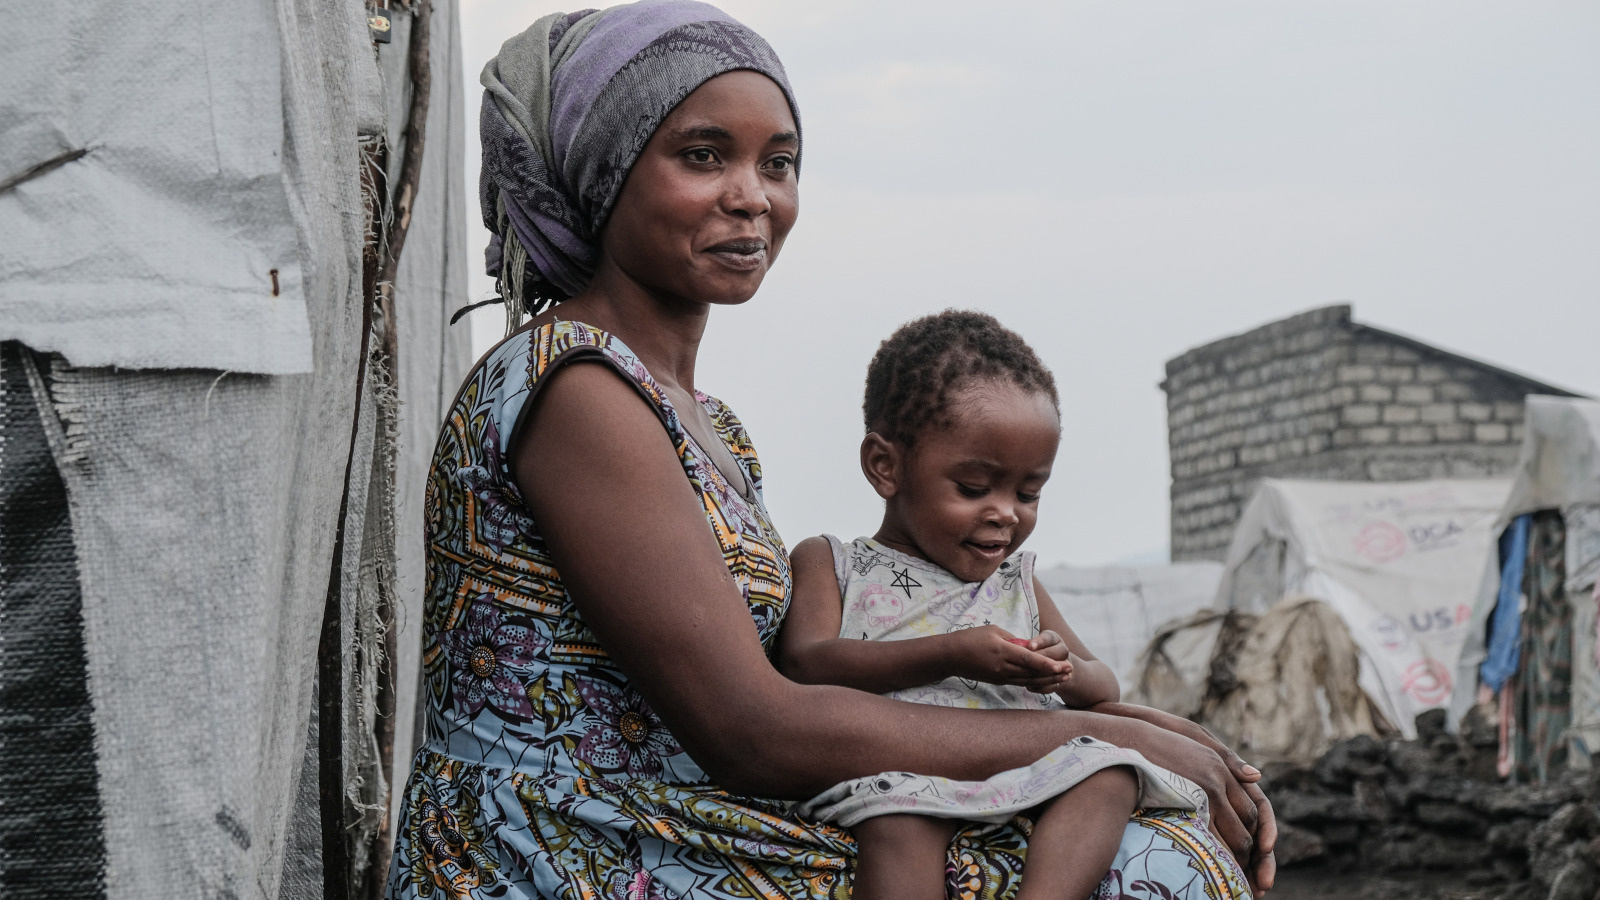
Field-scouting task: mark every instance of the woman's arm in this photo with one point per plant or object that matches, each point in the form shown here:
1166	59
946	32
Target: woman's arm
1091	681
811	651
647	574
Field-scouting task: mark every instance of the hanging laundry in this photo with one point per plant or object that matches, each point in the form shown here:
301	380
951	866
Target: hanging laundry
1543	689
1597	624
1505	625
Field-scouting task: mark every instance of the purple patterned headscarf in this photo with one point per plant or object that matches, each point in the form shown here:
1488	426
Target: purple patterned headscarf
568	106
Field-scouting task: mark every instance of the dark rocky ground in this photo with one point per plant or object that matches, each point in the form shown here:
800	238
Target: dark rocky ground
1322	883
1430	819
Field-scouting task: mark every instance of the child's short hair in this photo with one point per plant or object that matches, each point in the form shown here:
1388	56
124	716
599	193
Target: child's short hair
916	370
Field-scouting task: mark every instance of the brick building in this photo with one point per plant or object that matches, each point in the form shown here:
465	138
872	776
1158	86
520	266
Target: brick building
1320	396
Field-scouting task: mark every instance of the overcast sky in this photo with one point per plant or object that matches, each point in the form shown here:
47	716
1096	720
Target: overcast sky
1121	181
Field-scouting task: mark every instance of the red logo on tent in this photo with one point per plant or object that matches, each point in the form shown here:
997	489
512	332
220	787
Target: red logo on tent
1381	542
1427	681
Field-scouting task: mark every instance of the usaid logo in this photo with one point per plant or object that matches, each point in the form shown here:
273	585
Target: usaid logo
1440	619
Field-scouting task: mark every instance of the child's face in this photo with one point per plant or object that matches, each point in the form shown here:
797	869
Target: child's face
966	495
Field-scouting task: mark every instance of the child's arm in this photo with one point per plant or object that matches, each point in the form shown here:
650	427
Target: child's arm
810	650
1089	681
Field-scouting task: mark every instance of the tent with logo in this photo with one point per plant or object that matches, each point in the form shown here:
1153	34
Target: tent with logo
1398	563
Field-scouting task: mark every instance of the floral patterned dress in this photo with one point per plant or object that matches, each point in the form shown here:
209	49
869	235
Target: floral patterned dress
544	773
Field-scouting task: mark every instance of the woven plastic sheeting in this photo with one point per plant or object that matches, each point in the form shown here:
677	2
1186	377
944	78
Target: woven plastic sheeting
51	842
1116	610
205	507
204	564
145	219
204	503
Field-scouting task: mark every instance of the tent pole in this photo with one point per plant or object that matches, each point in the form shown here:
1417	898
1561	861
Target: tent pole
420	71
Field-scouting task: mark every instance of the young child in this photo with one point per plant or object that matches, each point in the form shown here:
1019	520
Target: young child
941	607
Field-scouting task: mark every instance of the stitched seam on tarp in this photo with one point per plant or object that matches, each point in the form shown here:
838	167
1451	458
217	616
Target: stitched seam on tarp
61	393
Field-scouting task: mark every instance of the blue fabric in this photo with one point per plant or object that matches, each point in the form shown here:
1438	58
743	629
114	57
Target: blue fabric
1505	626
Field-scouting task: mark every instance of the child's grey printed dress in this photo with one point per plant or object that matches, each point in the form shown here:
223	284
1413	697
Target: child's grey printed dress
889	596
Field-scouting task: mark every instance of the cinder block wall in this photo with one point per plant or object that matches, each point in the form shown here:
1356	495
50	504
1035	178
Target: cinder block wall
1320	396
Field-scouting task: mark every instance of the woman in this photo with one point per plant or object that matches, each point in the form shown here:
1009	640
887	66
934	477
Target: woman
601	708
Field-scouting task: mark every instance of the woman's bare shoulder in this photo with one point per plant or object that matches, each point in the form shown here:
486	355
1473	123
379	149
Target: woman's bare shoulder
593	406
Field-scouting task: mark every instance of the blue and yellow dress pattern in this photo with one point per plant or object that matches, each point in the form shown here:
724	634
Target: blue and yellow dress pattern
543	773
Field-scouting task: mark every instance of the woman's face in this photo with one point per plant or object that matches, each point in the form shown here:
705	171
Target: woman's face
707	205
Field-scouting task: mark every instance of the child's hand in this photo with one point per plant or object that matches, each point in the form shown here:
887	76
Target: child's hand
1050	645
989	654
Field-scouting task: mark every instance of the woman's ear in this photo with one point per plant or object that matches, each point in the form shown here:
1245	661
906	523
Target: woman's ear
881	461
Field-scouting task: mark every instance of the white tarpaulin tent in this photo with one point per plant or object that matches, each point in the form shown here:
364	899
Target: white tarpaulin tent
151	223
1559	468
1399	562
1117	609
199	205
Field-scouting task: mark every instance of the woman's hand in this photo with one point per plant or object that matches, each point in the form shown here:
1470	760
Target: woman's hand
1253	807
990	654
1232	814
1263	866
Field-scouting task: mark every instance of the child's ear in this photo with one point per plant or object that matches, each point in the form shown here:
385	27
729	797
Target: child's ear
881	460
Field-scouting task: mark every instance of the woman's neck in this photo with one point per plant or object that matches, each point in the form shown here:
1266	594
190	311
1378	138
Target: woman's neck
663	332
